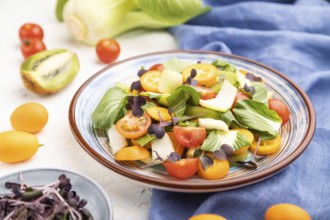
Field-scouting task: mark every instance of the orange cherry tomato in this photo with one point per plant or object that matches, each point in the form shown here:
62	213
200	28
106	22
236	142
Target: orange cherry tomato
178	148
150	80
206	74
132	153
189	136
32	46
267	146
133	127
107	50
182	169
217	170
31	31
281	108
157	66
206	93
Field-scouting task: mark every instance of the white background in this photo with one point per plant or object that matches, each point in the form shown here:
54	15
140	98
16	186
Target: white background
130	200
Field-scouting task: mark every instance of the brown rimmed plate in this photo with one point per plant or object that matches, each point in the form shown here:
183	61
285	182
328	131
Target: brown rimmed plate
296	134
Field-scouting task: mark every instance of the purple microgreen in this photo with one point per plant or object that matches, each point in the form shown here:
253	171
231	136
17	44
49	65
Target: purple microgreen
140	100
220	155
134	103
206	161
227	149
253	77
136	85
141	71
198	153
158	157
190	79
249	89
173	157
137	111
199	61
248	164
157	130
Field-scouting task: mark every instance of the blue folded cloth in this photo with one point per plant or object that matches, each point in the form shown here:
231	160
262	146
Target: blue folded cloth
294	38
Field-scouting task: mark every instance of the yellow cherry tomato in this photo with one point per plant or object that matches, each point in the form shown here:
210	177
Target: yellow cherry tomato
132	153
286	211
17	146
207	216
150	80
249	136
30	117
206	74
217	170
267	146
156	112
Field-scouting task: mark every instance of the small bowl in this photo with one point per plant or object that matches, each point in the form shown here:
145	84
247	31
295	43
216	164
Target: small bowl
98	202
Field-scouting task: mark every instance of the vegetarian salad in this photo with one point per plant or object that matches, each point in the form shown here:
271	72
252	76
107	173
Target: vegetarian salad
192	118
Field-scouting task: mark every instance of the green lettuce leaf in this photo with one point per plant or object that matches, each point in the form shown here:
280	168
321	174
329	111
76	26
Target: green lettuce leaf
224	65
109	108
176	65
261	93
230	120
217	138
183	95
240	141
256	116
145	139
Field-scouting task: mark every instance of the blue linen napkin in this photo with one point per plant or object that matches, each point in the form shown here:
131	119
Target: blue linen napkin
294	38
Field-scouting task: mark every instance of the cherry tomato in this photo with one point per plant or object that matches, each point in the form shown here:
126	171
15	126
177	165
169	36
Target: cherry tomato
158	113
281	108
217	170
150	81
240	96
267	146
189	136
182	169
157	66
131	153
206	74
32	46
206	93
133	127
107	50
178	148
30	31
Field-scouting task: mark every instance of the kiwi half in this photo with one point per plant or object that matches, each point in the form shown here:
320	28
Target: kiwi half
49	71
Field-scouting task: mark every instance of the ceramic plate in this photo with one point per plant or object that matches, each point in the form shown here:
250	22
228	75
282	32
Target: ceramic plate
98	202
296	134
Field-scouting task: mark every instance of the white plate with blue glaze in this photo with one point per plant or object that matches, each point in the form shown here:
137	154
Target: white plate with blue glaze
296	134
98	202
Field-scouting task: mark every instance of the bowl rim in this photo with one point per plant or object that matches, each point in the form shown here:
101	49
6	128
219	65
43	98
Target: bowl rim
68	172
207	185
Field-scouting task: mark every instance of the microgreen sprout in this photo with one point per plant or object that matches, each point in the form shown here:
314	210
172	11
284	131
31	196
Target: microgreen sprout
190	80
141	71
253	77
52	201
249	89
136	85
223	153
251	164
135	103
174	157
206	161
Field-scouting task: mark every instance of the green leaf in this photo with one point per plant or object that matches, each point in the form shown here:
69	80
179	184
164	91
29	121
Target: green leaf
59	9
183	95
109	108
261	93
224	65
217	138
145	139
176	65
230	120
256	116
241	141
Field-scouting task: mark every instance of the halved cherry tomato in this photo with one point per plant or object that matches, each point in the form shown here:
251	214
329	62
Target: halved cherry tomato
206	93
217	170
267	146
133	127
240	96
206	74
281	108
156	113
30	31
150	80
132	153
182	169
107	50
178	148
249	136
189	136
32	46
157	66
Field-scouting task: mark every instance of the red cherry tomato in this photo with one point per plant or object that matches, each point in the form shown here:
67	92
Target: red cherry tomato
157	66
107	50
32	46
182	169
240	96
206	93
189	136
281	108
30	31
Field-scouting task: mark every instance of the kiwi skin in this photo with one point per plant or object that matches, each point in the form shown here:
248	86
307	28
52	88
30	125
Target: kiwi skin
28	72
